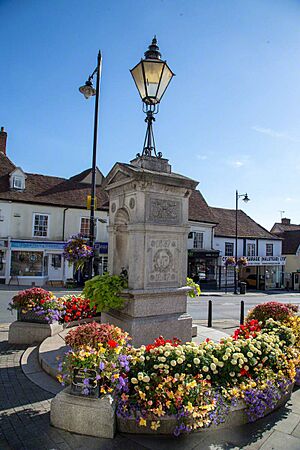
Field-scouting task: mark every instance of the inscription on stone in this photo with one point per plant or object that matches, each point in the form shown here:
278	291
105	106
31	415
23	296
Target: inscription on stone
162	256
164	211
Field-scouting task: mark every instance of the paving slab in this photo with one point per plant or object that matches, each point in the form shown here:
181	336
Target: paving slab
288	424
281	441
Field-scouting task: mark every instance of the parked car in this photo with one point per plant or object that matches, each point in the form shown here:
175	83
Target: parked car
251	280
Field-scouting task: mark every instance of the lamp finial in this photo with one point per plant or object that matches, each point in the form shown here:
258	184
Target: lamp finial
153	50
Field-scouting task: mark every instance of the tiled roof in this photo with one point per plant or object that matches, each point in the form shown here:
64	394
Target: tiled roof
291	242
199	211
49	190
279	227
247	227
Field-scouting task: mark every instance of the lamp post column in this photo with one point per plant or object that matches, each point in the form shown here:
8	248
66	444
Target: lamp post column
93	184
236	240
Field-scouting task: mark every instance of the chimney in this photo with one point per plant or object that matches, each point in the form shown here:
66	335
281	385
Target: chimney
3	137
285	221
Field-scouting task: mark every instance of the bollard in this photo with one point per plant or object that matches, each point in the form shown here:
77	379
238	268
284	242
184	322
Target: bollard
209	320
242	315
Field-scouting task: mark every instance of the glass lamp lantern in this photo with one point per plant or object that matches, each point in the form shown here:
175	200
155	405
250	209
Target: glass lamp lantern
152	75
88	89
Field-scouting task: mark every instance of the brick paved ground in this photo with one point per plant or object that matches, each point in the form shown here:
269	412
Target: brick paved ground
24	421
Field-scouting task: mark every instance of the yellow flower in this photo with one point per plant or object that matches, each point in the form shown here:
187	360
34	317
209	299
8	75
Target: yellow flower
155	425
134	381
142	422
189	407
142	395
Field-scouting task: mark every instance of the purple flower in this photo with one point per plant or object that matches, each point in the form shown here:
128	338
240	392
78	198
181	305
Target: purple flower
101	365
86	381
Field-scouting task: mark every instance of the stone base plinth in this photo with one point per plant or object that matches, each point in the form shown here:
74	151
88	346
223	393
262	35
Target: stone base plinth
84	415
149	314
31	333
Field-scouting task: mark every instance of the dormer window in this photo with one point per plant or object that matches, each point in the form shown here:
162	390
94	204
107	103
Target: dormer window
17	182
17	179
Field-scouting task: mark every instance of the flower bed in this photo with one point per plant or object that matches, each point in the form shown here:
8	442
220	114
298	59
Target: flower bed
77	307
172	387
97	362
37	305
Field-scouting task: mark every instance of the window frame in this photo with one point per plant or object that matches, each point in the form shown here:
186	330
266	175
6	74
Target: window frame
20	179
33	224
272	252
232	246
196	241
80	226
253	247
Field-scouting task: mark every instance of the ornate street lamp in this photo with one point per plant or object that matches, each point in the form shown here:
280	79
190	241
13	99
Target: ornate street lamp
152	77
245	199
89	91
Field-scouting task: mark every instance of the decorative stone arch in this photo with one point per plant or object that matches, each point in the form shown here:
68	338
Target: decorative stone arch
121	258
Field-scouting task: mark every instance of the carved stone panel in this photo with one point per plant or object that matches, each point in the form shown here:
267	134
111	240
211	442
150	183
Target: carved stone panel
162	261
163	211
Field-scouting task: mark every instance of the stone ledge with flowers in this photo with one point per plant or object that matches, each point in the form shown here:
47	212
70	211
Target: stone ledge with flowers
40	314
169	387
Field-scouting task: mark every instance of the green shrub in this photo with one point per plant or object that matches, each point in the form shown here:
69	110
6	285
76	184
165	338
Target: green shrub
103	291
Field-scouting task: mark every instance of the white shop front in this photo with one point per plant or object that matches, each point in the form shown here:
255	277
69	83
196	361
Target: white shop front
261	272
35	262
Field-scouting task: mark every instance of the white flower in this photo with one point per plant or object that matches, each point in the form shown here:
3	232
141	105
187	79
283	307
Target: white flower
225	357
205	369
234	362
196	361
140	376
134	381
173	363
146	379
232	374
180	360
250	354
213	366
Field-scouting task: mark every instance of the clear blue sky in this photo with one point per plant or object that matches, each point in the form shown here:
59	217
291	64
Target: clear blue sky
230	118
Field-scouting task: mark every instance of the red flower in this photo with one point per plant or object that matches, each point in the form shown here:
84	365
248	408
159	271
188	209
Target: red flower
207	340
112	344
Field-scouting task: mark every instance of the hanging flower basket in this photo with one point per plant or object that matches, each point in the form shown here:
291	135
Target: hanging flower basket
77	252
242	261
230	261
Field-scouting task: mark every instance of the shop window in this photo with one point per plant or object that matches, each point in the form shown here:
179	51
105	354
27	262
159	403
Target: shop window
103	264
198	240
29	264
40	225
56	261
269	249
229	247
250	249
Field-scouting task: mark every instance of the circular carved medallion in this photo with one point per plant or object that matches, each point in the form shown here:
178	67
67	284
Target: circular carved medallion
162	260
132	203
113	207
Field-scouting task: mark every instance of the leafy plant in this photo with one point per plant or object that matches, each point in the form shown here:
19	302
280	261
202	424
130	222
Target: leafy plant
195	291
103	291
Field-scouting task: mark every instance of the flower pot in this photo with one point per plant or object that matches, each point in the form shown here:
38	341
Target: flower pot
30	316
79	388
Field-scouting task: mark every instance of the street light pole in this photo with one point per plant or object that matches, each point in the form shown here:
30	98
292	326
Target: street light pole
245	199
88	91
236	240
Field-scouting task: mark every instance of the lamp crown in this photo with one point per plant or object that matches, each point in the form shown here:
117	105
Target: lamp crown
153	50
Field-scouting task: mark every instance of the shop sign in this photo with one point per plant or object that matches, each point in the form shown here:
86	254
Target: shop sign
102	247
37	245
261	260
